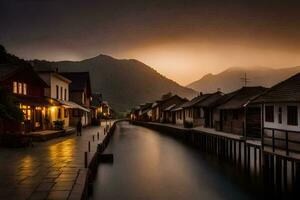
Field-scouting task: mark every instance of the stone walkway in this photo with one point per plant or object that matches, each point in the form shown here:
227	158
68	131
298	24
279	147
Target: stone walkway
46	171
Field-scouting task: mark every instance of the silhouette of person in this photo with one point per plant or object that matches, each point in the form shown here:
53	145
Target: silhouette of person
79	128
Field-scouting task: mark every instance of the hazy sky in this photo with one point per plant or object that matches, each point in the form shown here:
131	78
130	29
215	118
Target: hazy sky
183	40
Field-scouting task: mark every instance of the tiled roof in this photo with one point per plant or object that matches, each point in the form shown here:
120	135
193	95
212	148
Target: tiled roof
211	100
7	69
241	97
195	100
285	91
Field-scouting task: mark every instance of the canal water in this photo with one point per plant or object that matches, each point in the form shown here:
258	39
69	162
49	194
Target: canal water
150	165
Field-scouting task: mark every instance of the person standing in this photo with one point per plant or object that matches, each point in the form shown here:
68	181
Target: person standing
79	128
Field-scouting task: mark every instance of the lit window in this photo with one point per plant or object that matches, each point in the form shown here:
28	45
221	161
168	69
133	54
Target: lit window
24	88
15	87
19	88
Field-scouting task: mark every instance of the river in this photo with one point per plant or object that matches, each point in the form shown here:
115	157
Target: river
150	165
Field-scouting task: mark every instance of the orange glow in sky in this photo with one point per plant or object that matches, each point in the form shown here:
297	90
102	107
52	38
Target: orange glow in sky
186	62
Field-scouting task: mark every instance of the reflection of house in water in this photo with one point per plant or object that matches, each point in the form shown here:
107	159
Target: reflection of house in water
25	84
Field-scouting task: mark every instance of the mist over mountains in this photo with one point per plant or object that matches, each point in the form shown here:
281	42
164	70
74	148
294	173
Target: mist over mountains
230	79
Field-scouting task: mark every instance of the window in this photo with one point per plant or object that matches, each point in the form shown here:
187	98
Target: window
59	113
57	95
65	95
15	87
19	88
292	115
66	113
24	88
61	93
269	115
279	115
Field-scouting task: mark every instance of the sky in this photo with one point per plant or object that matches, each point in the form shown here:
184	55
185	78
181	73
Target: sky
182	40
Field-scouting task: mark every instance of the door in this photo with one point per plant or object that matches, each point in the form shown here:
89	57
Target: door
253	122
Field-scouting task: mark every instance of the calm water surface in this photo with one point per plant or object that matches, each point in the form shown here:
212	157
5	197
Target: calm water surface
150	165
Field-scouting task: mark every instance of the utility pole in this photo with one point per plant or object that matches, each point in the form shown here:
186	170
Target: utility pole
245	80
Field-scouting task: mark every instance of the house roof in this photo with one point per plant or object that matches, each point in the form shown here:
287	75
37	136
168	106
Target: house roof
285	91
9	70
170	107
80	80
211	100
240	98
195	101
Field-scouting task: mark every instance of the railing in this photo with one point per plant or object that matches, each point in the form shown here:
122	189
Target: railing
288	141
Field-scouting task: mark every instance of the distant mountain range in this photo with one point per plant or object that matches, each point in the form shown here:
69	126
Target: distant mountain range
123	83
230	79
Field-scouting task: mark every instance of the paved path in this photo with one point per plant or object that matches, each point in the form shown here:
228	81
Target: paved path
47	170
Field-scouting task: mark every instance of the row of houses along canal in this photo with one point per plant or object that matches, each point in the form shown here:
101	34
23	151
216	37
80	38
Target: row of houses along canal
255	128
157	161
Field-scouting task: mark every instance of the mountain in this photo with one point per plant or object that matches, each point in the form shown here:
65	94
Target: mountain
124	83
230	79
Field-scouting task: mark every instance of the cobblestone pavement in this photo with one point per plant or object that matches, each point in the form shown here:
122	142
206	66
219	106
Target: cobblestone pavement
47	170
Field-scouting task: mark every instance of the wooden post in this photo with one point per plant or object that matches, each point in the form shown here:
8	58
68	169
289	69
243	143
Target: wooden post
240	153
272	181
89	146
278	174
234	150
93	138
287	143
285	185
85	159
255	158
273	141
248	157
245	156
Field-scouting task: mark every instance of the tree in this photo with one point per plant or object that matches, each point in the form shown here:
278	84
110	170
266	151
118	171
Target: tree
8	107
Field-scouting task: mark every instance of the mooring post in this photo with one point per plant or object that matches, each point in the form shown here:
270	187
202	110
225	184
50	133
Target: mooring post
240	153
93	138
278	174
89	146
85	159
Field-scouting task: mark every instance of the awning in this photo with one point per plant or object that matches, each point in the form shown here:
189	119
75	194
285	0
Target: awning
70	104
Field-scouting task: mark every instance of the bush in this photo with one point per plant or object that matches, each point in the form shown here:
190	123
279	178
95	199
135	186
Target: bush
188	124
59	125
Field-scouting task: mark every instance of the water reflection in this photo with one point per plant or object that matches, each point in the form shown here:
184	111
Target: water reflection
149	165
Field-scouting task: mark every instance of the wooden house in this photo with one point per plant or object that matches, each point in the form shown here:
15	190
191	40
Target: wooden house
169	116
281	116
232	118
159	106
26	85
58	90
80	93
145	112
199	111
